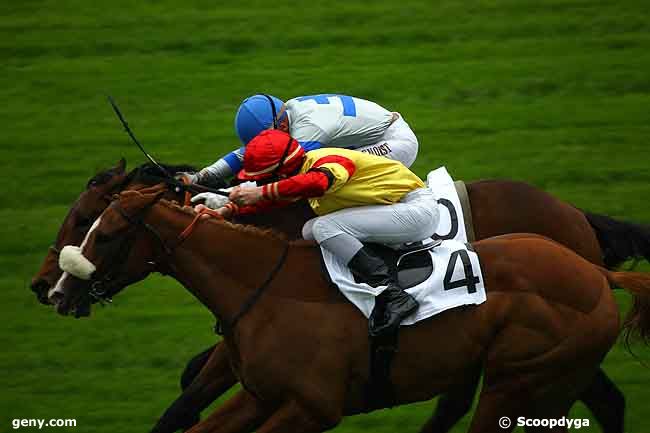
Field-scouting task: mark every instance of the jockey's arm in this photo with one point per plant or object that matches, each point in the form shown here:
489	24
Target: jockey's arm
326	174
222	169
229	165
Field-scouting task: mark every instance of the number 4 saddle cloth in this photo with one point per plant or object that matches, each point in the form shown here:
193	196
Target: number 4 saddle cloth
441	273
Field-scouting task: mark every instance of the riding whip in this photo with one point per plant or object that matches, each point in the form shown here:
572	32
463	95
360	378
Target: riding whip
162	169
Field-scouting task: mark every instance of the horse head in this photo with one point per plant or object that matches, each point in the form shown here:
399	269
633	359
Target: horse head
118	250
84	211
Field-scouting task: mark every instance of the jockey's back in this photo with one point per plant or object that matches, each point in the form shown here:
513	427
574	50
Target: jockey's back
330	120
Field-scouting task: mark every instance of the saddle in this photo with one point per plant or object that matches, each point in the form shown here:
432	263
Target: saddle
410	264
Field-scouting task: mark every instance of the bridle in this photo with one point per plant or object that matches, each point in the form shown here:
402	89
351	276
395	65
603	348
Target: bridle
55	249
98	289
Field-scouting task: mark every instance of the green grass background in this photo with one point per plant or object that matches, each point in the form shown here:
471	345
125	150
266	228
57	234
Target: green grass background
553	92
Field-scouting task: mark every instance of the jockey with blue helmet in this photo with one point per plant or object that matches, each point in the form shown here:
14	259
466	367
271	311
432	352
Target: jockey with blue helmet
316	121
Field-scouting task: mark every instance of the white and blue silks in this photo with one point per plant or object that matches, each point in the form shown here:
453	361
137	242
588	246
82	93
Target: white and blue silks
335	121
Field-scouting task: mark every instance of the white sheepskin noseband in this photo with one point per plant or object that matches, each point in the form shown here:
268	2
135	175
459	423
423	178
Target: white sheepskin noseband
73	262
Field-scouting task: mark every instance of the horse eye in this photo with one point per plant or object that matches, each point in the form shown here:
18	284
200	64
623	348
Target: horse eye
84	222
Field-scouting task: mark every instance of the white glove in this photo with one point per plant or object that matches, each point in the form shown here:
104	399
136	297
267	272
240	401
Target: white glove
212	200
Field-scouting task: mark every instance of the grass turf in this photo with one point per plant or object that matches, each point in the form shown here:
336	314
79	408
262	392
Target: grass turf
553	92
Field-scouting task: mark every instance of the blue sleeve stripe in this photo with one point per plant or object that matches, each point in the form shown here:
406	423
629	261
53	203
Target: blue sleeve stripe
349	109
310	145
234	160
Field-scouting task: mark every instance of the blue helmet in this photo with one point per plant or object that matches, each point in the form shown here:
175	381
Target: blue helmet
256	114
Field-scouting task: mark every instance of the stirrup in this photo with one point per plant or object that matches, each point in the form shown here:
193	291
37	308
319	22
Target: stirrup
417	249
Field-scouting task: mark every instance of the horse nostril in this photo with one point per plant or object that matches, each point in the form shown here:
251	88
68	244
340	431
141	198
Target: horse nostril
39	285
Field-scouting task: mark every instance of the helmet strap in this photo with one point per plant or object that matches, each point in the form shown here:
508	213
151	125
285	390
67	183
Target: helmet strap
273	112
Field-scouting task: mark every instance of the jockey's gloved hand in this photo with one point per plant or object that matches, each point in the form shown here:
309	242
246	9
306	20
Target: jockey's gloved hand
191	177
211	200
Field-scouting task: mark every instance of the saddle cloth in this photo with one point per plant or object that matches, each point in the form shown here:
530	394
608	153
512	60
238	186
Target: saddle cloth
454	224
456	278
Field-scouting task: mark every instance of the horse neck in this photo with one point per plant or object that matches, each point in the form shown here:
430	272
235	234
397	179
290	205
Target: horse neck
221	264
288	220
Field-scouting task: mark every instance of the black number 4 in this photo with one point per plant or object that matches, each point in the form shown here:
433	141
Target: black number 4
470	281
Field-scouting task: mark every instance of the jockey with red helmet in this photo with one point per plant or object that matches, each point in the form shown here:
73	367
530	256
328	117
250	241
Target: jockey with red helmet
358	198
317	121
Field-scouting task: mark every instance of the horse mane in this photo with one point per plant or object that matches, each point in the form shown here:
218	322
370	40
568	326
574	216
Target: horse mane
150	174
267	233
147	173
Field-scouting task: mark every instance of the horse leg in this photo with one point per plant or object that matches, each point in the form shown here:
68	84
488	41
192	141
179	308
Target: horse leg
295	418
242	413
453	405
500	408
496	412
194	366
188	375
215	378
606	402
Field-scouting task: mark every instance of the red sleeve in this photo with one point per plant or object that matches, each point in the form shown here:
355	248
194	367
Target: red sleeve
314	183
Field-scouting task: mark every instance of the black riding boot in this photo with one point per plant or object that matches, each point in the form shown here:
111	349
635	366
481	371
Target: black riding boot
393	304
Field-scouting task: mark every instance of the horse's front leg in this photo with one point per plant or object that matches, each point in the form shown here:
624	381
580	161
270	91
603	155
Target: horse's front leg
242	413
453	405
215	378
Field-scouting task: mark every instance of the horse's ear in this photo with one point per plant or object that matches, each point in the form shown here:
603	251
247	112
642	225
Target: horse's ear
121	166
138	199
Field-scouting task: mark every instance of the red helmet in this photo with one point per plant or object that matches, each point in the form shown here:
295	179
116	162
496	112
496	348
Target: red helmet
271	152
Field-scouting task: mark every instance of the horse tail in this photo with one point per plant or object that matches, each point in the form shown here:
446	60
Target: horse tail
637	321
620	240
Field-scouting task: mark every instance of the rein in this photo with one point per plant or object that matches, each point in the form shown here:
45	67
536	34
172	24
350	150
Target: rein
248	304
183	186
252	300
99	288
190	228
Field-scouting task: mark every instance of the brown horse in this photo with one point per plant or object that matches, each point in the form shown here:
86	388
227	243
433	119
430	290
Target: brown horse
549	320
497	207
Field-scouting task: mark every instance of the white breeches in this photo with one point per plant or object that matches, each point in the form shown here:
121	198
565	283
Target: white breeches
412	219
398	143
